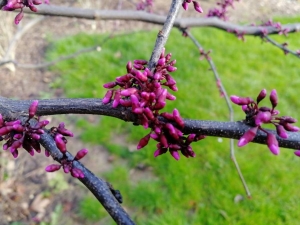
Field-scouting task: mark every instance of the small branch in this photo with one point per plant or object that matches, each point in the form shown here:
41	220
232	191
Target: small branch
157	19
96	185
228	103
47	64
163	34
282	47
12	109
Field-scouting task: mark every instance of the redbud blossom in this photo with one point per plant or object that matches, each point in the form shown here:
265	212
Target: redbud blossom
272	143
281	131
80	154
197	7
52	168
247	137
60	143
143	142
274	98
33	108
261	95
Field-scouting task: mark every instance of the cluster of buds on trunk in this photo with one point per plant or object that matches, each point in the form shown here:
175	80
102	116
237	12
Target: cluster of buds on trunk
257	116
20	4
143	92
25	135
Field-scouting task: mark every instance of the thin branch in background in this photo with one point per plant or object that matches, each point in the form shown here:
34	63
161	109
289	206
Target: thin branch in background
228	103
19	34
282	46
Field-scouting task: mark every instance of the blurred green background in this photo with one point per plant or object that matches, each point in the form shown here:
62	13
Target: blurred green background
205	189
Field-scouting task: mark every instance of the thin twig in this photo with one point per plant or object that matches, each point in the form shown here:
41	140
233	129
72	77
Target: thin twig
228	103
282	46
164	33
96	185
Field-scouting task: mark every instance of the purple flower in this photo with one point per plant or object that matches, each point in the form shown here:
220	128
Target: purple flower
247	137
272	143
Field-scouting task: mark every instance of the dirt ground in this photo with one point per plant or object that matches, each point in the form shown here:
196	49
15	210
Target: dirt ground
23	182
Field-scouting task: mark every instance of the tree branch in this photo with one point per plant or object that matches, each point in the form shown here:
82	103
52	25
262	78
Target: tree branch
13	109
96	185
163	34
134	15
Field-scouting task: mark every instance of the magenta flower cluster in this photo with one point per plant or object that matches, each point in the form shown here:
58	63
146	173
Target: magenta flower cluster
257	116
143	92
145	5
222	11
276	25
59	133
25	135
197	6
20	4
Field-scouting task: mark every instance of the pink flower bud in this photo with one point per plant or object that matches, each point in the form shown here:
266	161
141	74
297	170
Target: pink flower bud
125	103
107	97
138	66
197	7
62	130
168	57
148	113
160	151
61	145
161	62
80	154
261	95
274	98
35	136
140	61
116	99
33	108
139	75
288	127
162	55
47	153
1	121
15	153
77	173
52	168
163	140
171	68
5	130
129	67
262	117
168	116
240	101
124	78
67	168
272	143
143	142
157	76
138	110
170	96
128	92
297	153
170	80
36	145
190	139
172	63
173	88
175	154
110	85
281	131
172	131
247	137
178	118
154	136
19	17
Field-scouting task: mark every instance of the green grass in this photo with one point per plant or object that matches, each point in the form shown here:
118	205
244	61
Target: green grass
199	190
